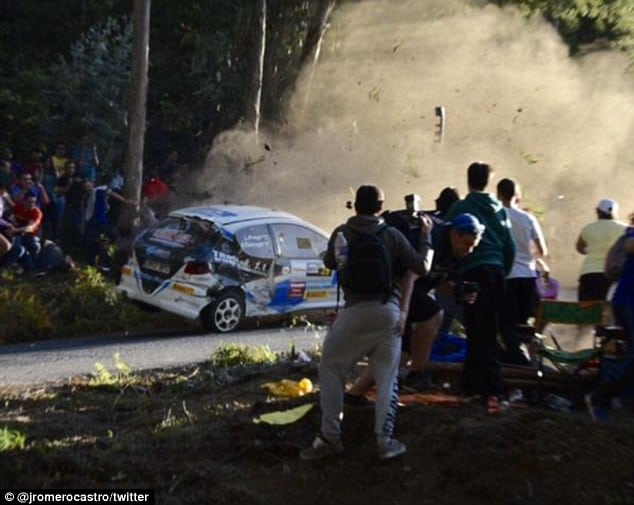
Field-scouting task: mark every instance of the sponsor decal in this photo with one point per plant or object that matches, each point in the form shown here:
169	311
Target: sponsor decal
215	212
297	290
157	252
317	269
246	263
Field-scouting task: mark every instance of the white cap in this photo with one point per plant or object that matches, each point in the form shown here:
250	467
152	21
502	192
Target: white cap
609	206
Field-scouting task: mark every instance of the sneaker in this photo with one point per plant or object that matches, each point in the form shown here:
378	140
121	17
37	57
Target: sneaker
391	448
419	382
356	400
320	449
598	414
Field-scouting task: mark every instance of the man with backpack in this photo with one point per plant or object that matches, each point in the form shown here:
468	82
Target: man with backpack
452	242
368	325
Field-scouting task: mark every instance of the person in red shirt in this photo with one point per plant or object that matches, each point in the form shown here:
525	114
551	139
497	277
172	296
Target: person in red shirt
156	193
28	221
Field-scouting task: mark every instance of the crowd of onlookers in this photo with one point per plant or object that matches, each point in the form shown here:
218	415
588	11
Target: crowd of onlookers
66	200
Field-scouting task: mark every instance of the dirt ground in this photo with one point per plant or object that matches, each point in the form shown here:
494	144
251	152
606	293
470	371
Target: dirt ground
189	435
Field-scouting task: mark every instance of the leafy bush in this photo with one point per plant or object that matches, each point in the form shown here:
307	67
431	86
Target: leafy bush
77	303
241	355
11	439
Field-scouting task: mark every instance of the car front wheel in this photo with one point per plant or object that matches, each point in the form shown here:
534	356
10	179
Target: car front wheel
224	314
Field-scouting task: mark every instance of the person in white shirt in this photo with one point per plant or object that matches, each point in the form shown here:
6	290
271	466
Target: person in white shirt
521	286
594	241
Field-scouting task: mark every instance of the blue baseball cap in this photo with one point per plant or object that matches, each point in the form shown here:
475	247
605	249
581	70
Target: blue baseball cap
466	223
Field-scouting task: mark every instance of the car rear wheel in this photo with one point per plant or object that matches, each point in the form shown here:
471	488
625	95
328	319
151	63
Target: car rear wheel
224	314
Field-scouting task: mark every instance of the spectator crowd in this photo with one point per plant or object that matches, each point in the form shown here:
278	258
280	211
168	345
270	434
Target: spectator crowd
67	201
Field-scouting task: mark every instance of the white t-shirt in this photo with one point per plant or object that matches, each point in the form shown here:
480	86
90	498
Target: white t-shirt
525	230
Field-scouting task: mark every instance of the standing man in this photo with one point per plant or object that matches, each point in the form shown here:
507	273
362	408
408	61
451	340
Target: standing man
594	242
452	242
368	324
487	266
521	284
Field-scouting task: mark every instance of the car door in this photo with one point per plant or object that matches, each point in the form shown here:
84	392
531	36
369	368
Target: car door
256	265
301	279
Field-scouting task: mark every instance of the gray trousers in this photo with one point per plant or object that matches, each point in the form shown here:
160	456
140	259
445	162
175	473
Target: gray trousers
364	329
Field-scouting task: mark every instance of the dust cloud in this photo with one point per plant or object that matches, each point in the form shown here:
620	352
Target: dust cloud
513	97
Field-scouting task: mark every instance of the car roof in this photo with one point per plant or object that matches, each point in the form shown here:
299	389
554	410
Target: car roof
226	215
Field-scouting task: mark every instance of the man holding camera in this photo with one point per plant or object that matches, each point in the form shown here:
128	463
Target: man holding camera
488	266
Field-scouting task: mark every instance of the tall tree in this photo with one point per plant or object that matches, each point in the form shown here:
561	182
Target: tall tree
314	38
316	31
138	97
254	97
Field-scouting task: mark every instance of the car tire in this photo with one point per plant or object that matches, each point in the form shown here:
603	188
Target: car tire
224	314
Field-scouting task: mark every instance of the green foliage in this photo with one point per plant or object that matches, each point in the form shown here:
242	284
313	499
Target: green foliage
241	355
11	440
77	303
582	22
23	314
87	93
121	378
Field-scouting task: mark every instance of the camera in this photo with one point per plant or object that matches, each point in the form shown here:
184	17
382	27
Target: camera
412	209
464	288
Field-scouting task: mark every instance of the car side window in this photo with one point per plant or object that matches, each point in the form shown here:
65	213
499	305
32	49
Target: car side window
296	241
255	241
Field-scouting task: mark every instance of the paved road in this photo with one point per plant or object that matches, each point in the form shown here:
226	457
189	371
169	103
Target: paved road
51	361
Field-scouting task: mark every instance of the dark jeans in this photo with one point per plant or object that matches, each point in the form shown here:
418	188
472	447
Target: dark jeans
482	371
520	302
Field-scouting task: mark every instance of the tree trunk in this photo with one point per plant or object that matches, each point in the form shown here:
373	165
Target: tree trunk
137	100
312	44
254	99
315	33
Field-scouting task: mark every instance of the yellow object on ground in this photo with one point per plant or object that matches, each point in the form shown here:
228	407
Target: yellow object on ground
284	416
289	388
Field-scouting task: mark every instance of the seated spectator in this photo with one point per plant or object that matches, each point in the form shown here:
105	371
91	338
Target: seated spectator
6	227
53	260
25	184
28	221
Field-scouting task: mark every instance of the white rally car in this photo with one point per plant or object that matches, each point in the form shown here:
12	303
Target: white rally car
224	263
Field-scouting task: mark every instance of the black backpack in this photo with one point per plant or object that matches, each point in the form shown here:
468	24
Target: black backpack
369	268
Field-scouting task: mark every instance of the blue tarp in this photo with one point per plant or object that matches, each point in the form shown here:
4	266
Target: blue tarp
449	348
